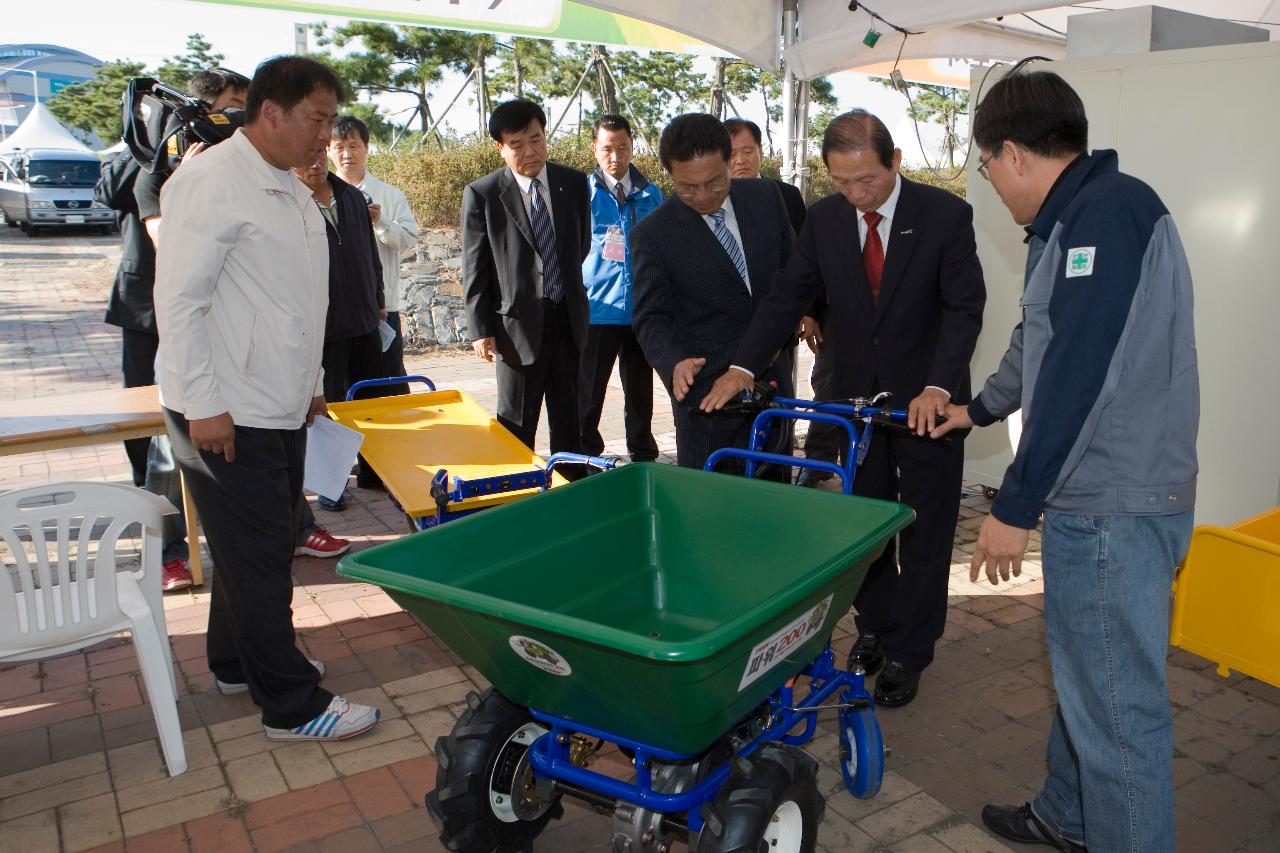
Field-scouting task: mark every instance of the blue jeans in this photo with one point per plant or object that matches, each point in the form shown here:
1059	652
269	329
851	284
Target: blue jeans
1106	609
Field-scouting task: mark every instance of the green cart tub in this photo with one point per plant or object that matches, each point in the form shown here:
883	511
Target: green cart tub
660	603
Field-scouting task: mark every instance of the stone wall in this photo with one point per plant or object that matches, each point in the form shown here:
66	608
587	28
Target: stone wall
433	314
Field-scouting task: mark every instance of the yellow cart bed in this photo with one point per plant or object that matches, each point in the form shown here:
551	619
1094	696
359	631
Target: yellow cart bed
410	439
1227	605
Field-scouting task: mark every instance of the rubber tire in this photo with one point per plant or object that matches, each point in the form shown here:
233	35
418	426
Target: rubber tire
737	820
868	748
466	759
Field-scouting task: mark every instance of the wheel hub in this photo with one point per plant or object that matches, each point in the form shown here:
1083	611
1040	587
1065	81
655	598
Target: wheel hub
515	794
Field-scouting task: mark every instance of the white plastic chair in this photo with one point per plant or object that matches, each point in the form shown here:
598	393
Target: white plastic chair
55	600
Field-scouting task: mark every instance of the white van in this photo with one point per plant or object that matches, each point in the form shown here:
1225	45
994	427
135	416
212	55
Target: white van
49	188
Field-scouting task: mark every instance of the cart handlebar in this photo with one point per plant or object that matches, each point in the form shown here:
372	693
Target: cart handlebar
388	380
761	456
601	462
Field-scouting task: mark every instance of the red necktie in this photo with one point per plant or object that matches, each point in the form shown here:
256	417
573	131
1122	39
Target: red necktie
873	254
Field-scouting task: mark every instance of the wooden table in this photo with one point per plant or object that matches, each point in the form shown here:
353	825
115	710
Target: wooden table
93	417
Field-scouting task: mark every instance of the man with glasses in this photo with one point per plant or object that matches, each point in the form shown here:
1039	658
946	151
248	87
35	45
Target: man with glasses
703	261
1107	339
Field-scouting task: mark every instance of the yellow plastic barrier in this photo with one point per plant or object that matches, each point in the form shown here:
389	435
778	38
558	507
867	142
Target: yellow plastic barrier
1227	605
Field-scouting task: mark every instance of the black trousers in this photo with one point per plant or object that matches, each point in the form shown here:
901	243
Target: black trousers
553	376
347	361
605	345
904	596
824	441
247	510
393	358
138	364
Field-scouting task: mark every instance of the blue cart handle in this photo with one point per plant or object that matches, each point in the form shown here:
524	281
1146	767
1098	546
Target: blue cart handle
779	459
389	380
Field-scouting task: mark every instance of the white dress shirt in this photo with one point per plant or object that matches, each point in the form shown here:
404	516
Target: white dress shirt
242	289
886	210
612	183
396	231
730	222
545	191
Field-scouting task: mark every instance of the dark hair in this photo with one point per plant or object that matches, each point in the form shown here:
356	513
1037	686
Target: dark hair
1036	110
859	130
692	135
347	125
207	85
737	125
611	121
287	81
513	117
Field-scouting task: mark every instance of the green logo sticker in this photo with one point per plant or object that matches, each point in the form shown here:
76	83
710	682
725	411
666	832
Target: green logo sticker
1080	261
540	655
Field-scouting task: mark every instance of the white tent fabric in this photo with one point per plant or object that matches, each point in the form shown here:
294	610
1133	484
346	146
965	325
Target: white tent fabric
41	130
831	36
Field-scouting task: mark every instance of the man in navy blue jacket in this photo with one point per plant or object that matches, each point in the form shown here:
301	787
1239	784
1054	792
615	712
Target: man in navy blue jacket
1103	367
620	197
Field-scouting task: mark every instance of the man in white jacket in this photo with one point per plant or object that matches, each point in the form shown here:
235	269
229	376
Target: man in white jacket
241	293
393	225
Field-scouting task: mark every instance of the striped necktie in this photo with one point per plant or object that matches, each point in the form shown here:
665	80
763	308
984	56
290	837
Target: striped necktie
731	247
552	284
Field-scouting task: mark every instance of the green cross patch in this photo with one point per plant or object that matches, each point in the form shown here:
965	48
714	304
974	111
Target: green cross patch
1080	261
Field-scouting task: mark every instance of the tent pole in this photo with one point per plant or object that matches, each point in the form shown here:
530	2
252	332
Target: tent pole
802	136
789	12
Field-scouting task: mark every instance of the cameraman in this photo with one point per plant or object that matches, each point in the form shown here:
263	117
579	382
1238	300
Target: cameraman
223	90
134	194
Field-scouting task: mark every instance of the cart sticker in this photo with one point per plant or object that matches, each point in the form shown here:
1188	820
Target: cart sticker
773	651
540	655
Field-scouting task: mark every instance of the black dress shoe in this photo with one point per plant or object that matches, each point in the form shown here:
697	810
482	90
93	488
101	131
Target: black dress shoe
866	653
1019	823
897	685
809	478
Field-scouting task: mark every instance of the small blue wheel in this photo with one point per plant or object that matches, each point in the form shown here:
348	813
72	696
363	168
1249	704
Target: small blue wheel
861	752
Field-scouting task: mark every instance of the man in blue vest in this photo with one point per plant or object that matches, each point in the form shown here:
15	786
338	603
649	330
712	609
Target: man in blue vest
620	197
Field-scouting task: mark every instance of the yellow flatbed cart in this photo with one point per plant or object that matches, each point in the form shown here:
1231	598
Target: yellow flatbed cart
441	455
1227	605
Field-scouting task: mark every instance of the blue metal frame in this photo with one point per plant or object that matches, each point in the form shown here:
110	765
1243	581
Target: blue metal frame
534	478
387	380
840	415
550	759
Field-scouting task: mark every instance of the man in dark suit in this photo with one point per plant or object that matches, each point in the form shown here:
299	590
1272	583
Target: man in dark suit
526	229
897	264
746	153
702	263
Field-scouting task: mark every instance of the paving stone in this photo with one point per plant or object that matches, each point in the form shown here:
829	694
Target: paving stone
435	698
255	777
89	823
170	812
967	838
59	794
379	755
920	844
425	681
170	788
304	764
35	833
218	833
432	725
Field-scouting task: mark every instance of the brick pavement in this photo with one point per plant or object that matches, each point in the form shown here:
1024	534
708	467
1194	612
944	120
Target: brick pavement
80	765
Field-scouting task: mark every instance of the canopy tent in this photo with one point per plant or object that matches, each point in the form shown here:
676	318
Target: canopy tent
829	35
41	130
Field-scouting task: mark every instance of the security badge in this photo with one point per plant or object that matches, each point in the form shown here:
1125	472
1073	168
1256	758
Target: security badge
615	244
1080	261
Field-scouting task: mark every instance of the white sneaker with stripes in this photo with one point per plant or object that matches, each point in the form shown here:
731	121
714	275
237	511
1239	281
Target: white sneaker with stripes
341	720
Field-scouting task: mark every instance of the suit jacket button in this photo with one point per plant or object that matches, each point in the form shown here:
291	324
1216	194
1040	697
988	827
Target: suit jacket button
875	342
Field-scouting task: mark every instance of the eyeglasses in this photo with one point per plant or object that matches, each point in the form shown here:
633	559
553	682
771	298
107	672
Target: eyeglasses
982	167
691	190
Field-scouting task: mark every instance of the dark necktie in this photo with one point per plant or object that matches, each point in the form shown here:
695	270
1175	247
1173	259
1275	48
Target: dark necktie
620	194
545	235
873	254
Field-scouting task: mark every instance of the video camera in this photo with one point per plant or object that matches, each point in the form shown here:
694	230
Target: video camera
161	122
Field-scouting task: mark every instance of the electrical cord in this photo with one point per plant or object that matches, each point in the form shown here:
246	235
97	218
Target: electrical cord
855	6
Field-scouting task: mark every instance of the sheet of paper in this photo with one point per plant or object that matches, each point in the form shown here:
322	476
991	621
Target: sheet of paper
331	451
